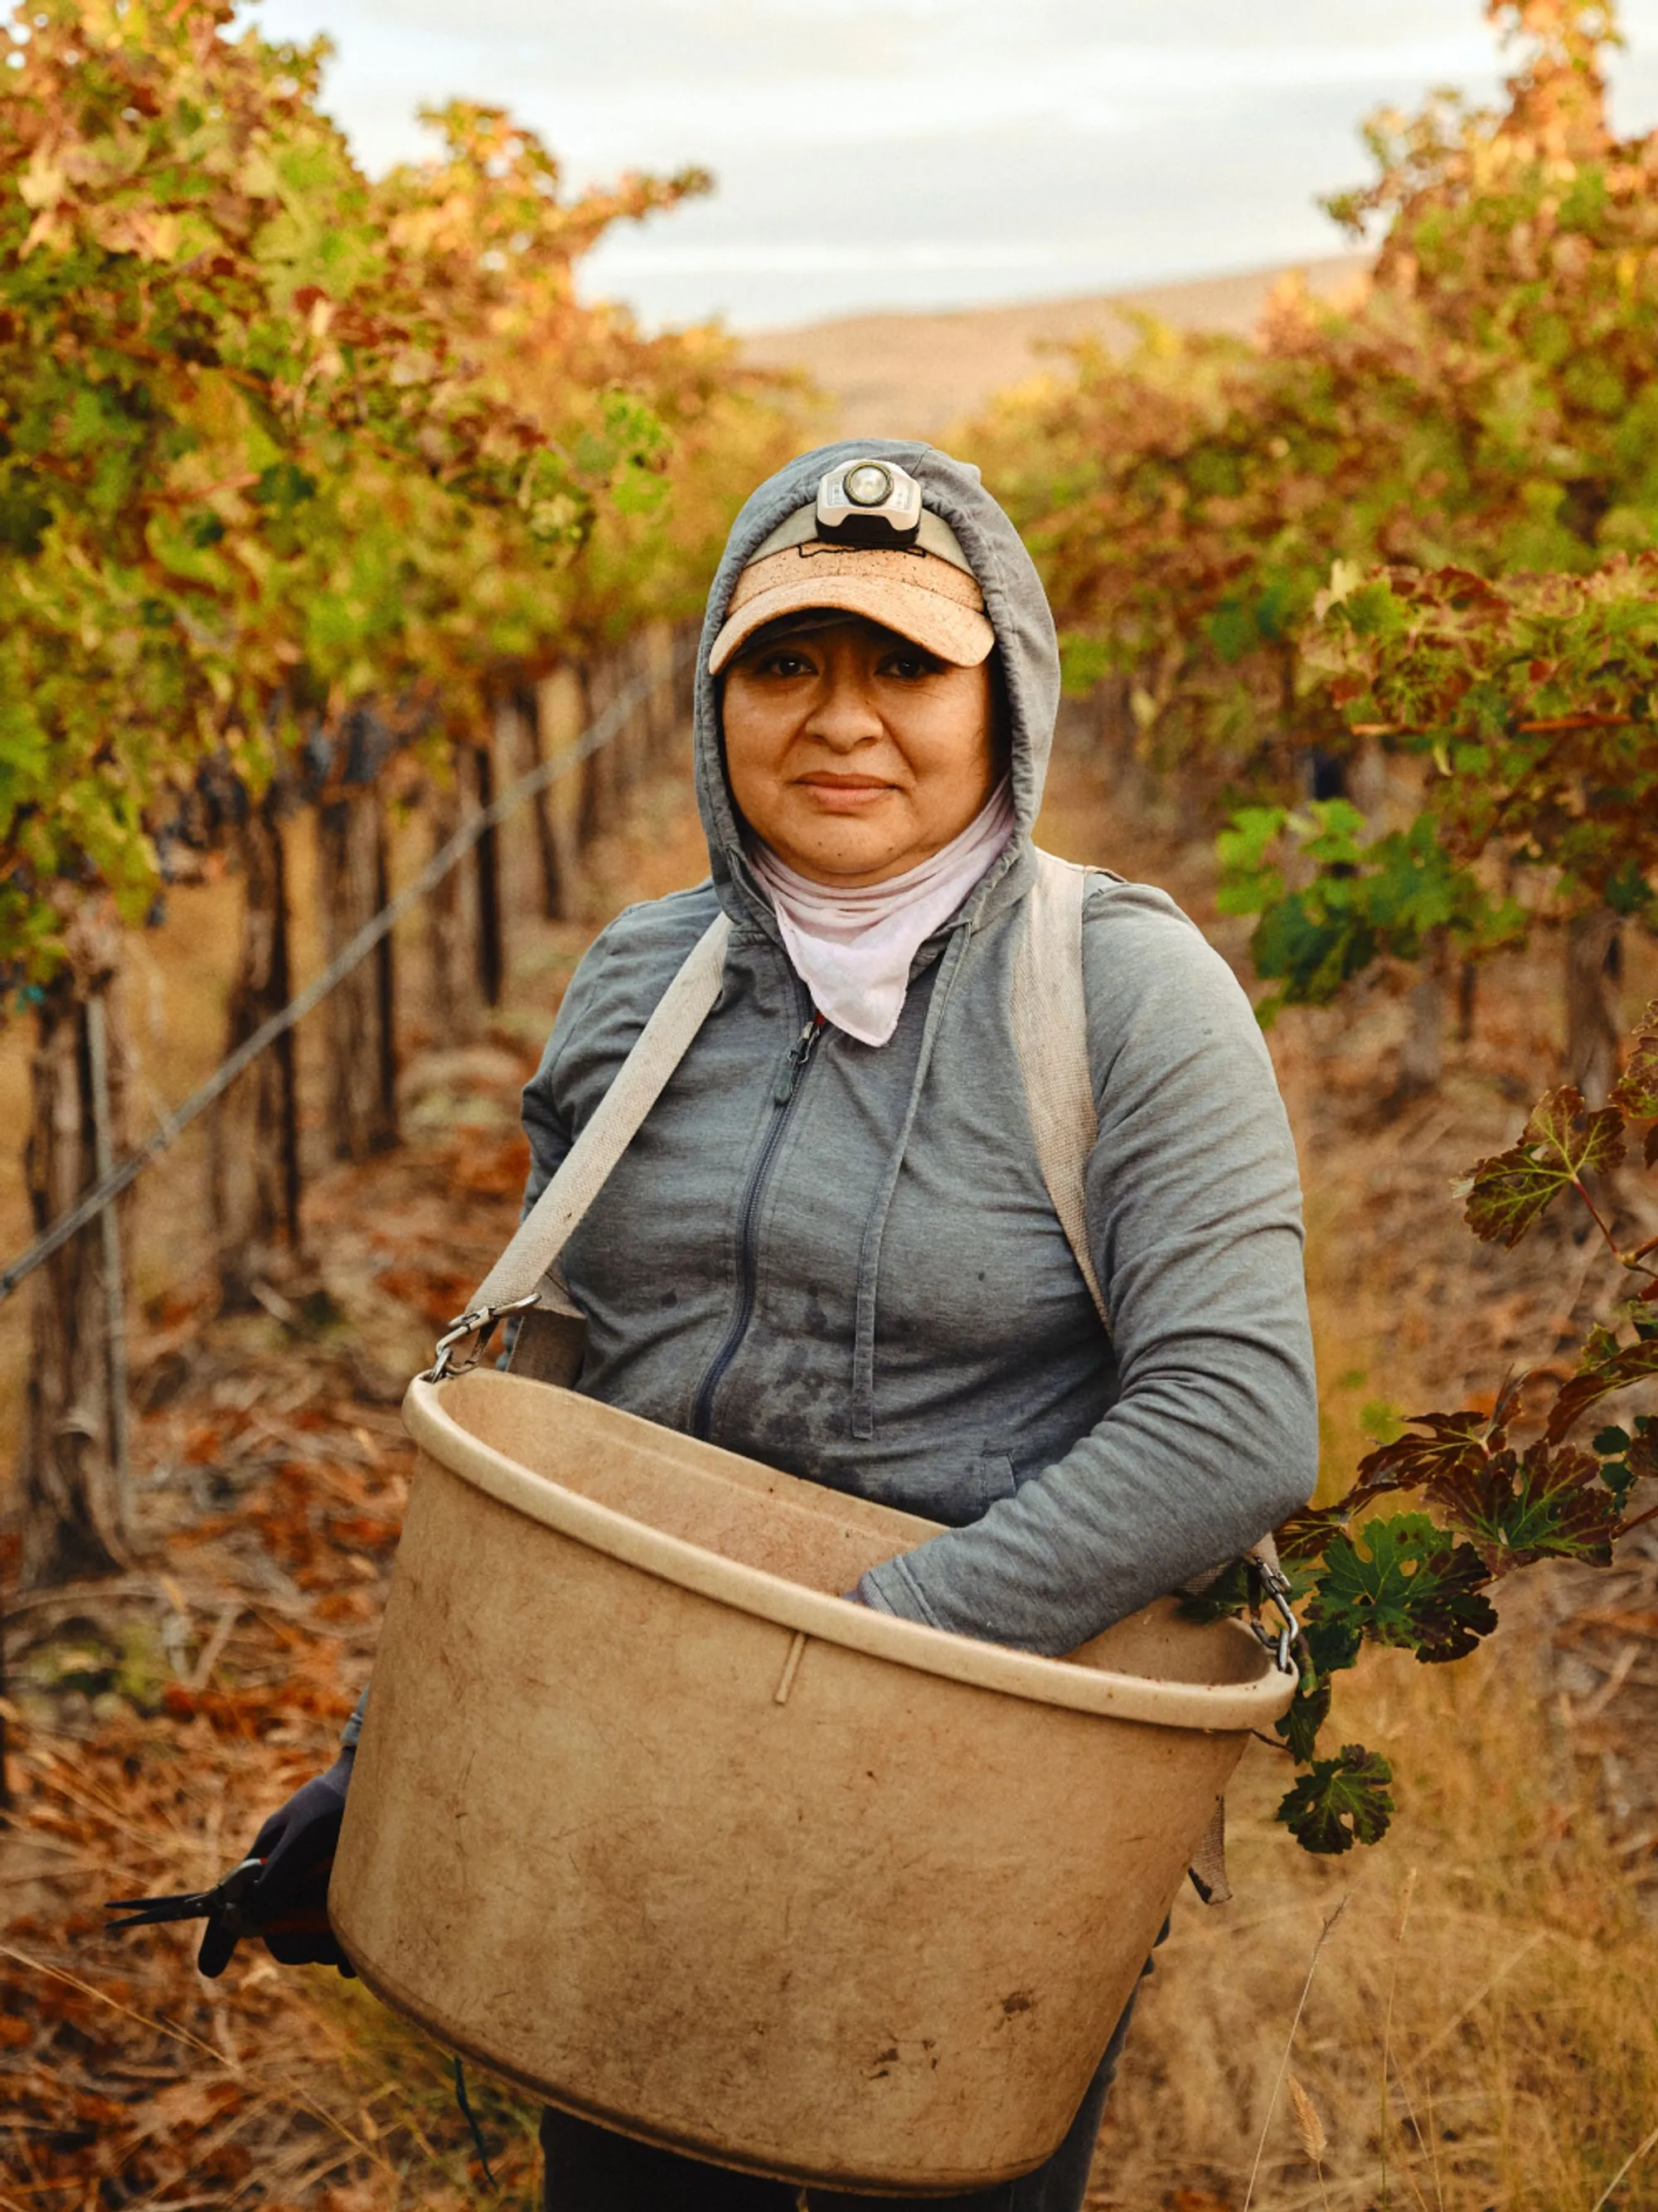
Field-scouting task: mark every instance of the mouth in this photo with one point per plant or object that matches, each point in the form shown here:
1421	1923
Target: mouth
844	794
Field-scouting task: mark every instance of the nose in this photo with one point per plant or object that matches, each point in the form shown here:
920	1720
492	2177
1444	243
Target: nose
843	714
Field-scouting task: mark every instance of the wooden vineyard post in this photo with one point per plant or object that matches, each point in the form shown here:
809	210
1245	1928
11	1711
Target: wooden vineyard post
1119	740
360	1012
661	713
590	797
1422	1053
255	1136
73	1520
519	717
626	662
1467	1001
449	981
1594	967
100	1101
489	943
599	790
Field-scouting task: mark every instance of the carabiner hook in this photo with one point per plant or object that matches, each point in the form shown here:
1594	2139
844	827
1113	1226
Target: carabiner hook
477	1320
1277	1588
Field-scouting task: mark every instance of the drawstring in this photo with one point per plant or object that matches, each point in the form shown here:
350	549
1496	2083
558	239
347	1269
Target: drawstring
869	1257
470	2118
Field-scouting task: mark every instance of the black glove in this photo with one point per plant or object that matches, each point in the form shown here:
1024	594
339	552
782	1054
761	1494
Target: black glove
287	1908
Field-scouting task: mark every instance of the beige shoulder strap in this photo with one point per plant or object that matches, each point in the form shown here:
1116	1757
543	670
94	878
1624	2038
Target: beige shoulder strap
1050	1035
586	1168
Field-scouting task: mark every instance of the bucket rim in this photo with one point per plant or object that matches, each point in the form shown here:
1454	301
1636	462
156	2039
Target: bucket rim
1157	1701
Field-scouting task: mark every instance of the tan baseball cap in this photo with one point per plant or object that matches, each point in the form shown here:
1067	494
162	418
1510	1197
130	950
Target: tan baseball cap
925	591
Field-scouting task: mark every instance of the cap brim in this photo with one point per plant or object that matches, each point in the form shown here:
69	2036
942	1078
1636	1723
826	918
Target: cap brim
957	634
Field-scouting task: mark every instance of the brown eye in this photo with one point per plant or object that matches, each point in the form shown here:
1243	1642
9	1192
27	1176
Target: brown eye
909	664
782	660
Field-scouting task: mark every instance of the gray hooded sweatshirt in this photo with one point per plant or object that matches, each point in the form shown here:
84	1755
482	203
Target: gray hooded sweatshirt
841	1258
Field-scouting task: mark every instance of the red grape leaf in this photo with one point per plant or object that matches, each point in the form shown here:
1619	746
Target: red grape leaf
1606	1366
1304	1534
1455	1443
1550	1503
1561	1141
1636	1091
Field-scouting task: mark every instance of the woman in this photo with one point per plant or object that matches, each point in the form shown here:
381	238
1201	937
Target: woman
830	1247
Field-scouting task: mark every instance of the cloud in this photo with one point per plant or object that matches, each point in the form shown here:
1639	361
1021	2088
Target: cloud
928	152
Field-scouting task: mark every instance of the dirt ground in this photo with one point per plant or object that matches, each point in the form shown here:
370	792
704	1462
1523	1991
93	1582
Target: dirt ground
1477	2025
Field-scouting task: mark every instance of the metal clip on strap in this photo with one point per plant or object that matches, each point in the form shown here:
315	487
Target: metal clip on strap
477	1320
1270	1578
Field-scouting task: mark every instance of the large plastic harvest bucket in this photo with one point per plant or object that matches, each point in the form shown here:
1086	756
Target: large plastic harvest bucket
649	1820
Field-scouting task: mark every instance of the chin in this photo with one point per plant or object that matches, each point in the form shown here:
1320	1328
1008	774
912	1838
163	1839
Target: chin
845	857
847	847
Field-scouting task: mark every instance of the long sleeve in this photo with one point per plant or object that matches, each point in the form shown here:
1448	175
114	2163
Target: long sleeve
1195	1223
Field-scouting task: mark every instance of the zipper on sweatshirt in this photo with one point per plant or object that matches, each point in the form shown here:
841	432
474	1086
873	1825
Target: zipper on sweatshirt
748	1232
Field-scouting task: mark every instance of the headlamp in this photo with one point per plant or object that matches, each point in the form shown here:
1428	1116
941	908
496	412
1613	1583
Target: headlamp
869	502
869	484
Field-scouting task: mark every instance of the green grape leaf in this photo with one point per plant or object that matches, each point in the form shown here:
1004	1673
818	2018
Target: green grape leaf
1342	1802
1404	1582
1561	1142
285	485
1313	949
1223	1598
1329	1645
1628	1459
1308	1713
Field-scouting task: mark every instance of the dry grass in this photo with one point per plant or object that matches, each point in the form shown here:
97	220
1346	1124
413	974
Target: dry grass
1495	2045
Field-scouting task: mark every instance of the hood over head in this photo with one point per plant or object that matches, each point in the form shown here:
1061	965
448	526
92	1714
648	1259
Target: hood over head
1014	600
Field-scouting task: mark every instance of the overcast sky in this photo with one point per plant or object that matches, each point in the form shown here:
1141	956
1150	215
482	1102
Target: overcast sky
929	153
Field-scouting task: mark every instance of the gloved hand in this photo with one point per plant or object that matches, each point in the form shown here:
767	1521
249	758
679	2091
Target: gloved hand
287	1908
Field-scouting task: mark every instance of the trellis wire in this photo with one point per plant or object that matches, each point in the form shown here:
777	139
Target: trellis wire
109	1187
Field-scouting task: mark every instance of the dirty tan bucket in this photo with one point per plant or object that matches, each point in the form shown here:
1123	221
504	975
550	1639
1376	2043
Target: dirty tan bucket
646	1819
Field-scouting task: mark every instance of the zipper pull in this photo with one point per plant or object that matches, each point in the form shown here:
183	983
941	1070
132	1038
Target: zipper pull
794	1066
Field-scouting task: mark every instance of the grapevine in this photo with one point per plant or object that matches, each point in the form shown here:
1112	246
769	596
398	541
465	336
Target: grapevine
1498	1489
275	439
1419	524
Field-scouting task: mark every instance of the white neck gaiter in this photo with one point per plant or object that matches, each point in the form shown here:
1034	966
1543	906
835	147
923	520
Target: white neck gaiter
853	949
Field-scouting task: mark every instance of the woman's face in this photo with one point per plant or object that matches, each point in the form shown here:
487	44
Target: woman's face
854	754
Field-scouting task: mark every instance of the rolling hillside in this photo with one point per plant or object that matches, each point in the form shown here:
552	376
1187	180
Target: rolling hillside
897	375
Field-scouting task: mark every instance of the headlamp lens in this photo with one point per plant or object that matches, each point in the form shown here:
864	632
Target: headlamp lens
868	485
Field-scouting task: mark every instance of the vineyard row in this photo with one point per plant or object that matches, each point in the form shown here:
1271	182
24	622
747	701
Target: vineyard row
632	702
